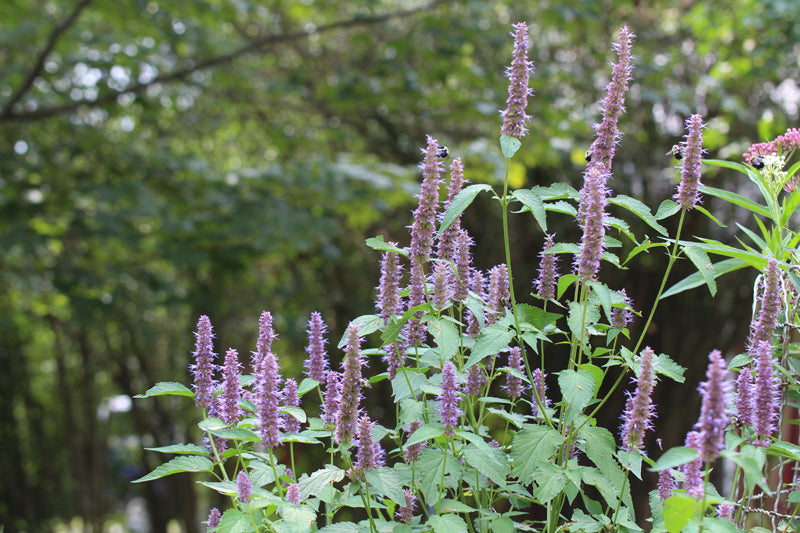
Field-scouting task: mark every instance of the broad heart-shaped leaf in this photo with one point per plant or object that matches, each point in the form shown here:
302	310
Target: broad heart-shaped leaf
182	449
189	463
599	446
675	457
509	145
580	316
532	446
666	209
366	324
639	209
431	464
486	465
593	476
532	201
446	337
678	510
577	390
384	482
400	384
234	521
167	388
667	367
704	266
492	340
296	519
535	316
550	480
423	433
448	523
462	200
319	481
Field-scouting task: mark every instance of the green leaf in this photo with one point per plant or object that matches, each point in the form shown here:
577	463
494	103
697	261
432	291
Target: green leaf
599	446
667	367
319	481
550	481
514	418
366	324
384	481
226	488
167	388
234	521
736	199
564	282
696	279
377	243
212	423
492	340
189	463
449	523
424	433
462	200
581	315
530	447
532	201
784	449
509	145
639	209
678	510
502	524
432	463
667	209
487	465
703	265
592	476
307	385
340	527
446	337
675	457
296	519
597	374
577	390
535	316
180	449
236	434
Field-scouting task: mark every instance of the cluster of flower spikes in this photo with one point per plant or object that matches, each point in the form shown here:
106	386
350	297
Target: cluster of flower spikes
782	144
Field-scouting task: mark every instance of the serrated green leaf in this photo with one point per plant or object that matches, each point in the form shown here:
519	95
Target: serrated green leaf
577	390
675	457
366	324
432	464
550	481
446	337
319	481
454	506
696	279
486	464
225	488
639	209
667	367
704	266
564	282
592	476
384	482
307	385
509	145
514	418
236	434
462	200
492	340
188	463
424	433
502	524
167	388
736	199
296	519
784	449
532	201
530	447
340	527
678	510
400	384
535	316
234	521
212	423
448	523
599	446
377	243
182	449
666	209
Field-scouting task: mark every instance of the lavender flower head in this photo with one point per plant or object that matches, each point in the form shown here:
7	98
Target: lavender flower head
514	116
406	513
693	470
725	510
369	454
639	409
330	407
607	132
540	393
214	518
498	292
266	394
548	271
448	399
349	388
415	332
446	245
764	328
514	386
203	369
463	262
622	316
477	284
424	226
290	398
229	410
244	489
266	336
293	493
442	293
592	220
688	194
317	363
476	379
388	302
665	484
766	394
714	415
744	396
412	451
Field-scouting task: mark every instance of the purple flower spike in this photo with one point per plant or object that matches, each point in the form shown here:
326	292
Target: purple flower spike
592	220
446	248
244	490
514	386
477	285
498	293
607	132
266	336
665	484
463	262
540	388
476	379
293	493
290	398
725	510
693	470
415	332
266	393
317	363
766	394
622	316
203	369
412	451
688	194
331	405
389	302
448	399
514	116
229	410
744	396
214	518
424	226
714	415
548	271
639	409
369	454
350	388
442	295
764	328
406	514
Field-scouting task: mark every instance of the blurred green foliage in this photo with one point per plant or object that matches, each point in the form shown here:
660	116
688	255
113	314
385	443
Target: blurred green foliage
162	159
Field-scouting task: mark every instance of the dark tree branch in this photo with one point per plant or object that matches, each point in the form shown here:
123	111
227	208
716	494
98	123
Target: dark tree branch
39	65
10	115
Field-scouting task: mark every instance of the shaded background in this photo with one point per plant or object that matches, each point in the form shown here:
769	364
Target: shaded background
165	159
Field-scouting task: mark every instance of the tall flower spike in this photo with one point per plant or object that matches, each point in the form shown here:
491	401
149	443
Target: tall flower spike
476	379
244	490
266	336
693	470
424	226
714	414
514	117
229	409
498	293
548	271
415	332
369	454
442	295
290	398
293	493
317	363
766	394
448	399
665	484
477	284
214	518
592	220
267	399
540	388
446	245
744	396
406	514
622	316
639	409
607	132
388	302
688	194
350	388
330	406
412	451
764	328
514	386
463	261
204	367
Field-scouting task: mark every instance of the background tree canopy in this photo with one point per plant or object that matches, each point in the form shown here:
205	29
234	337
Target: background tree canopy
164	159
